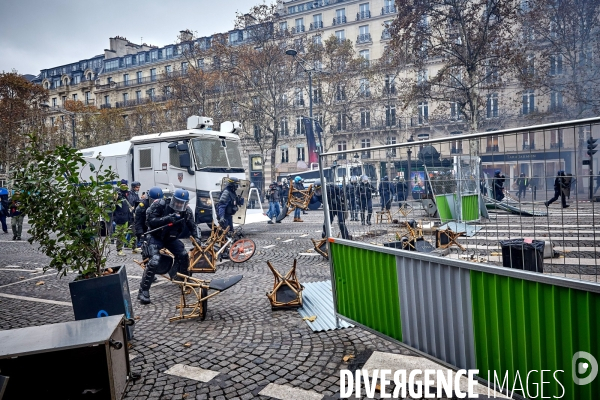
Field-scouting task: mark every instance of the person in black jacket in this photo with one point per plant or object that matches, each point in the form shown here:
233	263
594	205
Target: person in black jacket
274	197
228	204
499	179
139	224
386	191
401	190
336	204
559	184
365	195
3	209
167	218
352	197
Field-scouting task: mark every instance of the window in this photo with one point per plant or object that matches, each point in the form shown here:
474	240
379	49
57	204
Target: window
340	35
126	79
556	139
423	109
528	102
299	25
151	93
169	52
139	76
285	156
528	141
317	21
363	11
492	143
88	97
340	94
107	100
556	100
342	145
152	74
76	79
363	89
283	26
64	99
363	34
284	130
456	145
365	118
184	67
109	80
317	95
125	98
391	140
154	55
300	151
299	97
388	86
556	65
54	102
74	96
364	54
257	132
492	105
52	121
200	64
455	113
491	73
390	116
340	16
168	70
529	68
317	40
365	144
299	126
341	121
138	96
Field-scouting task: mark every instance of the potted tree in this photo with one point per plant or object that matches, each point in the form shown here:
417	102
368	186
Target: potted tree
66	213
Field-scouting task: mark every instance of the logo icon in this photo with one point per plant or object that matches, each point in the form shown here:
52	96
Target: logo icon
180	176
585	368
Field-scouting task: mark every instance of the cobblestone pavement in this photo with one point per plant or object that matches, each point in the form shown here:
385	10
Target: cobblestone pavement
242	339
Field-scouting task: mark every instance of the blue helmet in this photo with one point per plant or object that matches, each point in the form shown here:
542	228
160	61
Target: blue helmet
180	200
497	171
155	193
297	179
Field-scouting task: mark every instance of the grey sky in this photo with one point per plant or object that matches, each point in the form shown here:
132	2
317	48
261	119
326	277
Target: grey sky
39	34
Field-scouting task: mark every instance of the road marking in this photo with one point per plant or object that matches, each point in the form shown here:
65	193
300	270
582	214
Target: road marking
308	254
33	271
269	246
286	241
195	373
12	296
12	266
305	235
19	281
283	392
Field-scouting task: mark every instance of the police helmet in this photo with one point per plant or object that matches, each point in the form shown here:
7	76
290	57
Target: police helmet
561	173
297	179
317	184
497	171
233	181
135	184
364	179
354	179
123	182
180	200
386	178
155	193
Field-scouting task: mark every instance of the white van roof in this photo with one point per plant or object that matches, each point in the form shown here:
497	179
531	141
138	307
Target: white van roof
186	134
107	150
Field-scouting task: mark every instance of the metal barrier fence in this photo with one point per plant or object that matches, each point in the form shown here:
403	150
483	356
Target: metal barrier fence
449	183
455	301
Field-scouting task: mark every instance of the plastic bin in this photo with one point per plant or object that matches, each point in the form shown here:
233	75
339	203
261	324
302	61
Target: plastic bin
520	255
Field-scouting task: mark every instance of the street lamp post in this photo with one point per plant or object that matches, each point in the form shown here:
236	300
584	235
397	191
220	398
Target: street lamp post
301	62
409	154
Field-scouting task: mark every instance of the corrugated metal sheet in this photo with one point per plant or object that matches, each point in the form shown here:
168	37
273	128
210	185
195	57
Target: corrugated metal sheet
317	299
367	288
435	305
522	326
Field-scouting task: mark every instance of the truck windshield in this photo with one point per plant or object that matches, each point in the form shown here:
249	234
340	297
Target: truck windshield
210	154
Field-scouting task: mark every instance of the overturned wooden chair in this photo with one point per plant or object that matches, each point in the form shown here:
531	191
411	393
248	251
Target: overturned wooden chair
203	258
218	235
405	209
164	266
197	289
321	247
287	290
447	237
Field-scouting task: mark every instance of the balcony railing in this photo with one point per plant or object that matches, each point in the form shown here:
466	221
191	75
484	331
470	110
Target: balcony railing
105	105
299	102
363	15
339	20
388	10
316	25
389	89
364	93
364	38
297	29
386	35
490	149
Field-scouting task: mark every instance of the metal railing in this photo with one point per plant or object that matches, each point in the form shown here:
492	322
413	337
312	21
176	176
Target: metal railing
388	10
437	184
339	20
316	25
363	15
363	38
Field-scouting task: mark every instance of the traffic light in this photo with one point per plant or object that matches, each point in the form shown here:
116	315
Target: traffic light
591	145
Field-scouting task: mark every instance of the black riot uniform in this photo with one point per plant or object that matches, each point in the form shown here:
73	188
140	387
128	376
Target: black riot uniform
352	197
365	192
174	220
336	203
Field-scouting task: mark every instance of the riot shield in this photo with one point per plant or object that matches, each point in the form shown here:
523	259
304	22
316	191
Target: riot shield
240	216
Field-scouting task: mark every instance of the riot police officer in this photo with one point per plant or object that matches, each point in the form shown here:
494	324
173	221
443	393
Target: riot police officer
168	218
336	204
499	180
365	192
228	203
386	191
351	196
139	219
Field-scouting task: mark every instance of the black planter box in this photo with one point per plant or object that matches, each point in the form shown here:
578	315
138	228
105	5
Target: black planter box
102	297
520	255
